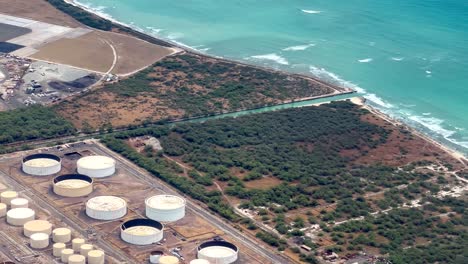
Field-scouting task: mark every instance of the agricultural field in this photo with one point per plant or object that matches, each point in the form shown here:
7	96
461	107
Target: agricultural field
188	85
318	176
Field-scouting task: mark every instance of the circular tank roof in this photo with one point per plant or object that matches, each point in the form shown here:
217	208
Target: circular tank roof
37	225
19	201
69	177
39	236
106	203
20	213
96	162
76	258
217	249
199	261
95	253
142	227
168	260
61	231
165	202
9	194
40	156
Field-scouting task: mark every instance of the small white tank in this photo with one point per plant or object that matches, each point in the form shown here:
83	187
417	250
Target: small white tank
20	216
96	166
3	209
106	207
76	244
7	196
66	253
96	257
37	226
57	249
85	248
19	203
168	260
61	234
39	240
76	259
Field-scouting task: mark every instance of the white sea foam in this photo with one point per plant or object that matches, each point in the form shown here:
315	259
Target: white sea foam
426	114
323	74
434	124
311	11
377	100
366	60
299	47
428	72
272	57
154	30
398	58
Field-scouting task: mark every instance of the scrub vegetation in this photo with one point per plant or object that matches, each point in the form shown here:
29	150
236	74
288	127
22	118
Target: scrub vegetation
184	86
34	122
313	166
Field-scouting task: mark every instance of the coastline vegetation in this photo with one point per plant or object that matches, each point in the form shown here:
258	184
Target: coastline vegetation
305	153
187	85
81	15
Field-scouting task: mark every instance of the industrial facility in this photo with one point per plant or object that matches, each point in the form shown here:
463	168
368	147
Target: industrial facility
88	217
41	164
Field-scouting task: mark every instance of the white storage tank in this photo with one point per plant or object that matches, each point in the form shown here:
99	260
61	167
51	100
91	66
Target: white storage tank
85	249
39	240
20	216
57	249
7	196
37	226
96	257
96	166
76	259
76	244
65	254
199	261
3	209
155	255
42	164
168	260
141	231
165	208
73	185
218	252
19	203
61	235
106	207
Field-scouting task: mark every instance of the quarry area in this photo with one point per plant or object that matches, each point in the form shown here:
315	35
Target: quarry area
43	63
82	203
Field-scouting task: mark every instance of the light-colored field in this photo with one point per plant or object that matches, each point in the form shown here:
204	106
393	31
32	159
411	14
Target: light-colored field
38	10
103	51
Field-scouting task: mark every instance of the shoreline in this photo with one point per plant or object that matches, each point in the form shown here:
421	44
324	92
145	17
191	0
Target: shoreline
338	90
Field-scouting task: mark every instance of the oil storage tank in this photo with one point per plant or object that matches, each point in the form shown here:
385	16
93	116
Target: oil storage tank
199	261
41	164
141	231
106	207
165	208
39	240
7	196
168	260
37	226
19	203
20	216
96	166
218	252
73	185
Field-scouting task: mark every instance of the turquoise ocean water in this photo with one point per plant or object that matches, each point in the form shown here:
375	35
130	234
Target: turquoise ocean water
409	58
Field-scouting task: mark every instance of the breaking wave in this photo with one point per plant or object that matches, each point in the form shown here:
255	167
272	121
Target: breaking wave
311	11
299	47
366	60
271	57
